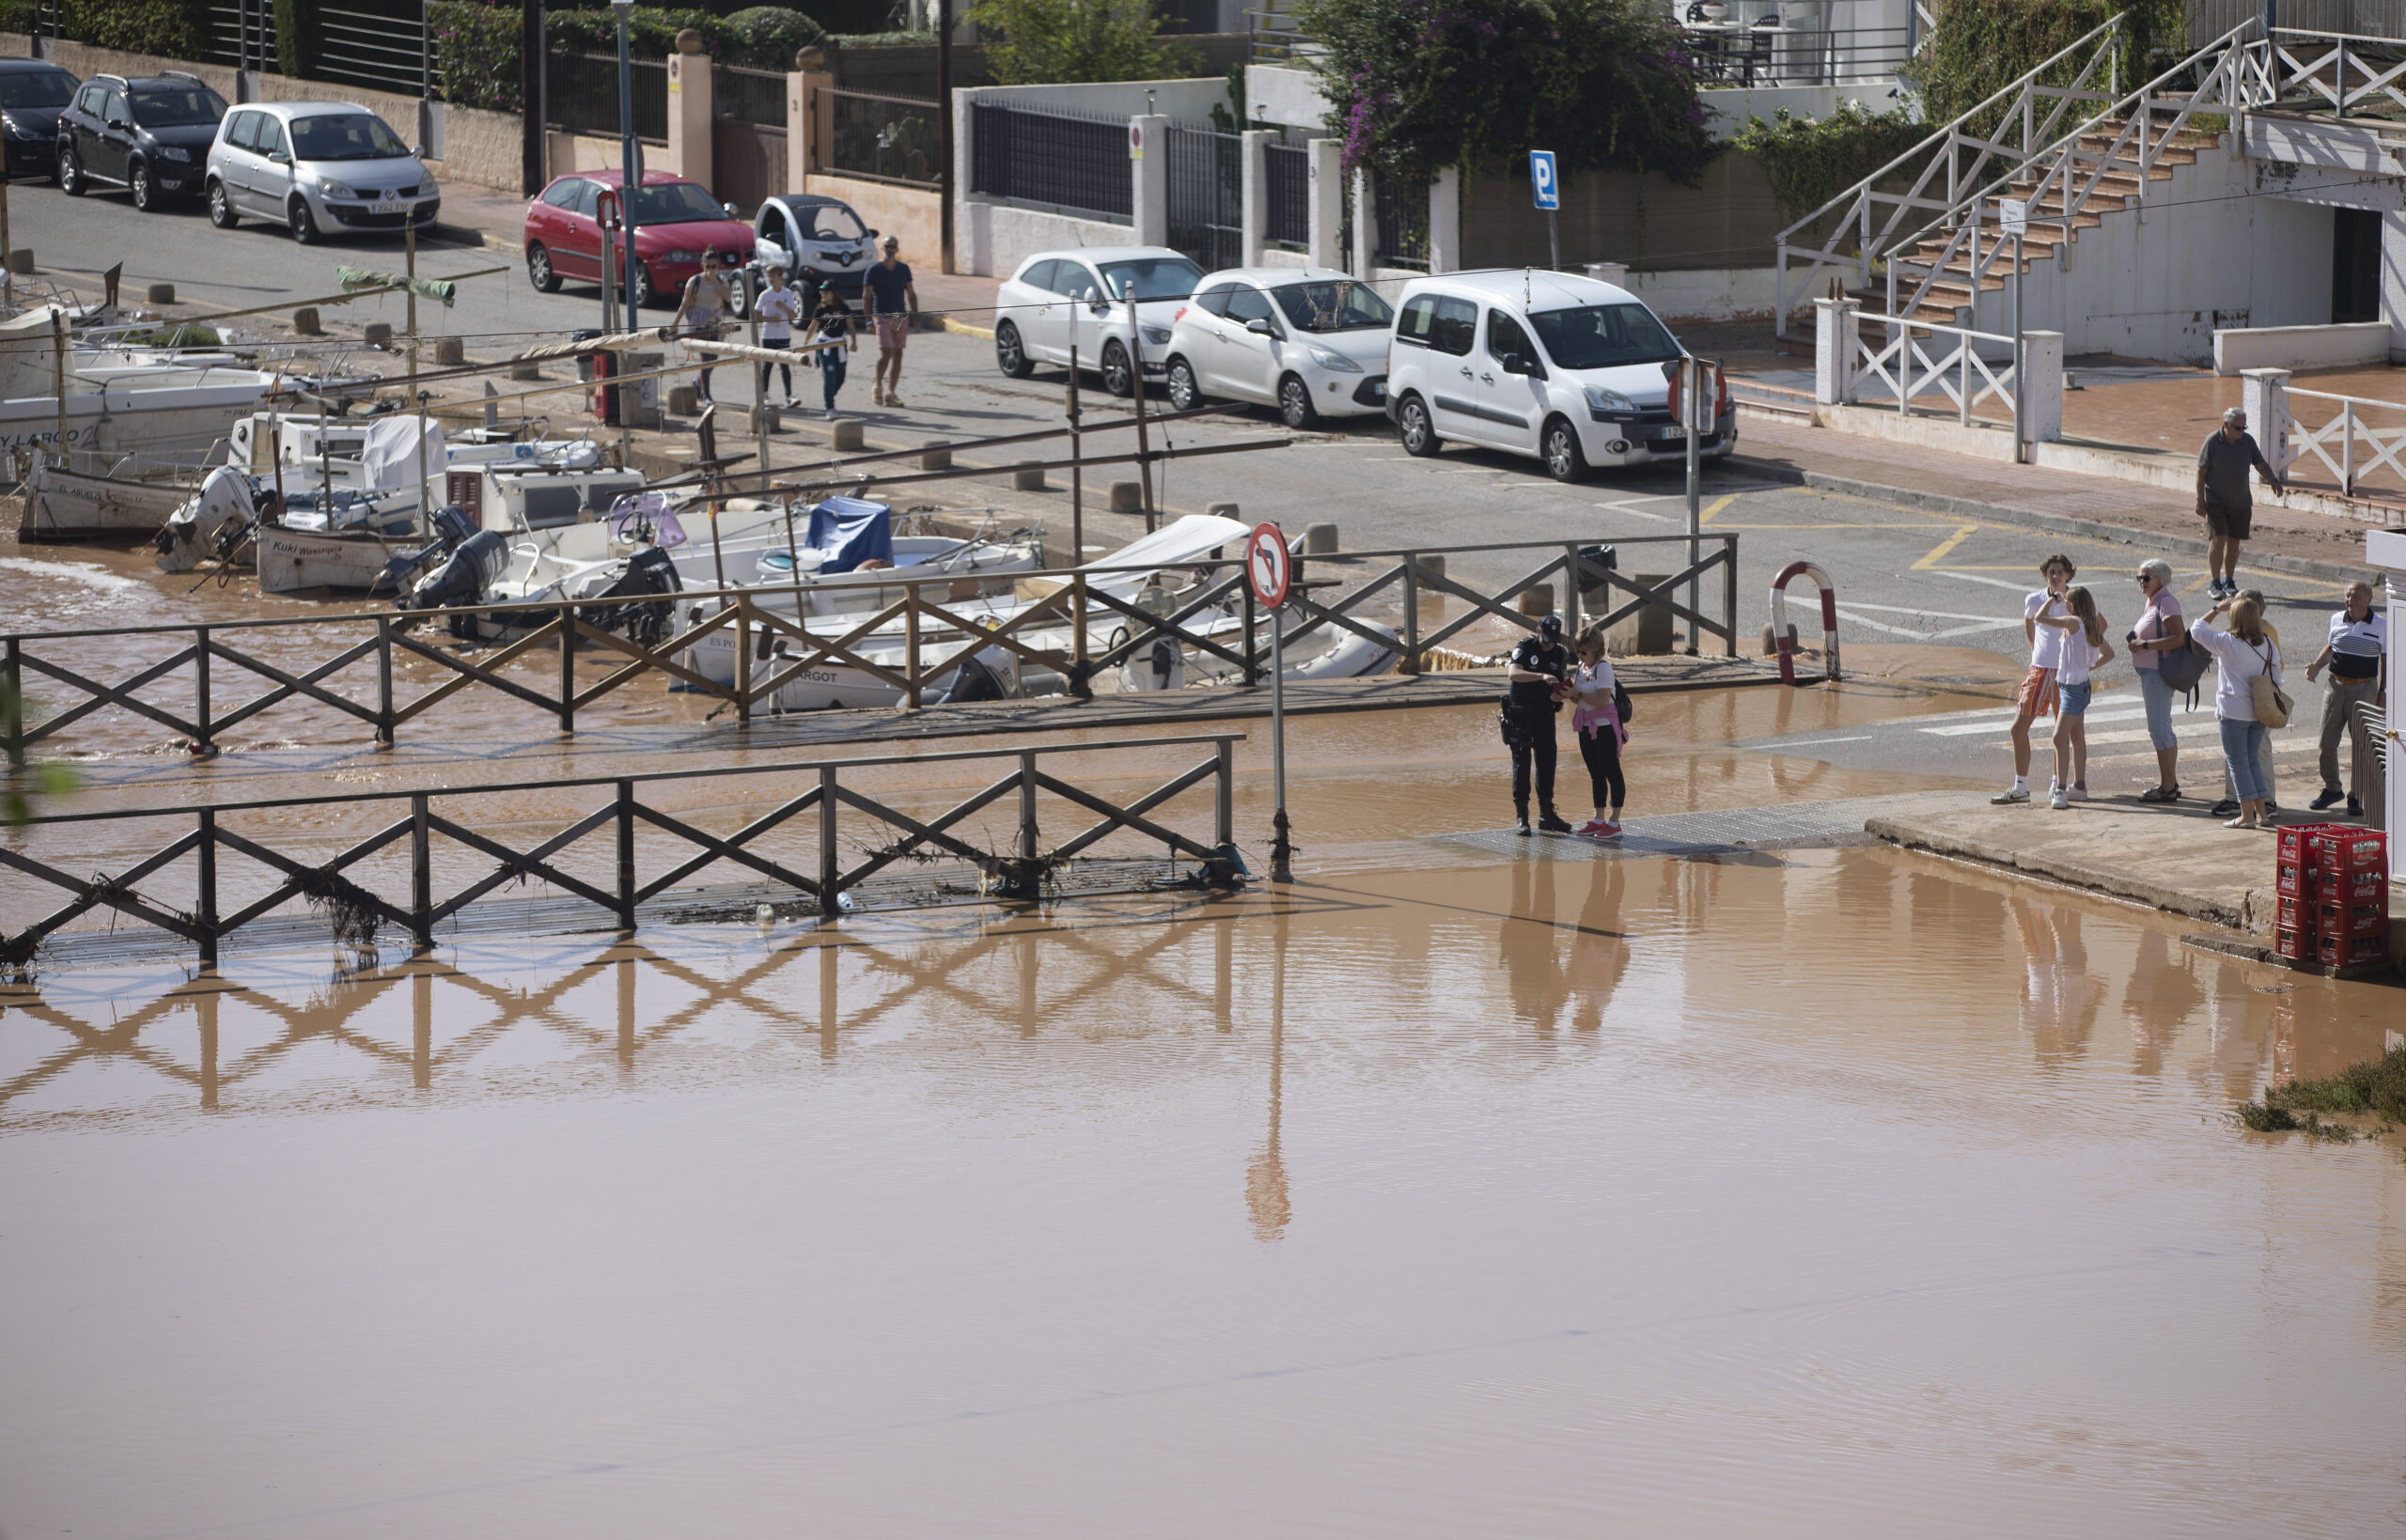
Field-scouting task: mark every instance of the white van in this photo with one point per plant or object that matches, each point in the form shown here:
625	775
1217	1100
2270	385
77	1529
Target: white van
1564	369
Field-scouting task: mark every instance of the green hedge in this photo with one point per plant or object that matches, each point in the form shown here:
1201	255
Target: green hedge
1812	160
765	39
176	29
299	33
477	61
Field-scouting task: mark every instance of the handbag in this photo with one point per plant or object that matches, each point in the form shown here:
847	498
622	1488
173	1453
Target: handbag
2272	706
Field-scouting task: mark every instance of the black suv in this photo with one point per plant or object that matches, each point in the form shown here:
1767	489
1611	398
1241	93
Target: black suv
31	96
151	135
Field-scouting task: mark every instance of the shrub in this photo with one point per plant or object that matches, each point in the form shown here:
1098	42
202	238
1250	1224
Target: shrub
1044	42
1981	46
176	29
758	43
767	36
1810	160
477	54
297	37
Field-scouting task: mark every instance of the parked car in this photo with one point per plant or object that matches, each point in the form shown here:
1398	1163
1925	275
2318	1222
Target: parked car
813	232
676	222
150	133
1306	340
316	167
1058	296
1565	368
32	95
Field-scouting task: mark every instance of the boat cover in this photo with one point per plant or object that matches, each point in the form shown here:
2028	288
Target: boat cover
851	530
390	457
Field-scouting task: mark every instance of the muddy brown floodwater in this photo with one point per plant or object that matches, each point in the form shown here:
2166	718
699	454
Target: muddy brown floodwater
1458	1189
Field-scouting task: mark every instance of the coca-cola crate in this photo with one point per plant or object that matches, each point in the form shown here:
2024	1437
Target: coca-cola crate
2295	846
2350	919
2342	848
2293	878
2357	887
2297	912
2295	945
2346	951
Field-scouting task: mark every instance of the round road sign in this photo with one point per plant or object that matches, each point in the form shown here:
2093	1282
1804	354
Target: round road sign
1267	565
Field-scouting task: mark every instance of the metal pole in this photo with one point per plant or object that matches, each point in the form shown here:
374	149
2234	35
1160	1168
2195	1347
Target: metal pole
1077	466
1136	384
1281	848
424	521
631	181
945	168
1693	368
2021	386
1553	240
59	377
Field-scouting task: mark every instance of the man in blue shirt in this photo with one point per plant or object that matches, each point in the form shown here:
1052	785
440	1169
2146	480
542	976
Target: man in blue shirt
892	297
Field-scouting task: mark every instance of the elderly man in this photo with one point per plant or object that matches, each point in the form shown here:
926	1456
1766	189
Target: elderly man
2224	500
2359	642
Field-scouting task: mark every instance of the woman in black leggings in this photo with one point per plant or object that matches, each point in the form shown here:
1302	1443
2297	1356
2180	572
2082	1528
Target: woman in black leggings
1596	721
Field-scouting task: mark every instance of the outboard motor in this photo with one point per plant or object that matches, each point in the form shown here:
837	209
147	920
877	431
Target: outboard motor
461	580
452	528
192	532
649	571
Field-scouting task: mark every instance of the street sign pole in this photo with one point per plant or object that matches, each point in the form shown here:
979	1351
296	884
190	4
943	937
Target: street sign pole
1269	566
2014	218
1691	397
1545	184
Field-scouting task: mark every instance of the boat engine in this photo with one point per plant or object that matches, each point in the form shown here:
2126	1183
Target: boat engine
649	571
461	580
452	528
223	507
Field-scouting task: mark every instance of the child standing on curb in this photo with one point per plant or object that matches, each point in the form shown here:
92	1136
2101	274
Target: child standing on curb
2085	650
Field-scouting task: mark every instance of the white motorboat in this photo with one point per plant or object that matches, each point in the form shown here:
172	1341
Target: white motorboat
66	505
120	398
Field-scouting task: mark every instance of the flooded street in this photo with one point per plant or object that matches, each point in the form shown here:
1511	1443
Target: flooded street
1817	1191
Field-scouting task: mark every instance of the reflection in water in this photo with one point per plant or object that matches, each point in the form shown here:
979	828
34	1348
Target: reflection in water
2158	996
1265	1179
2060	997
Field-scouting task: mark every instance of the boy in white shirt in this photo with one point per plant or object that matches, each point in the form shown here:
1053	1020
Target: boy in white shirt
778	308
2037	696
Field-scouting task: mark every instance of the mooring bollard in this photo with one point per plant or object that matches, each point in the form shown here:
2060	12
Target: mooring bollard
936	455
305	323
450	351
162	294
524	371
1318	540
1028	477
1536	599
685	400
765	420
1127	497
22	260
848	433
378	333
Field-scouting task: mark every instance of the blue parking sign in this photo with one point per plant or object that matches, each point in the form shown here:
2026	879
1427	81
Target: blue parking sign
1541	178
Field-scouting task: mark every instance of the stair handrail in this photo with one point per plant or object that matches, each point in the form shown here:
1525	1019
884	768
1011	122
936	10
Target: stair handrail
1864	192
2224	81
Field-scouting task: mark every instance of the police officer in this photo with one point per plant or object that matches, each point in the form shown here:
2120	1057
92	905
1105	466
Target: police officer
1539	668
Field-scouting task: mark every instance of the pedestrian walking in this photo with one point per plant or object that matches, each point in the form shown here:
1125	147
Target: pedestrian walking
1540	672
2242	654
702	310
892	299
777	308
2224	500
2161	629
832	324
2358	647
2037	696
1598	721
2085	650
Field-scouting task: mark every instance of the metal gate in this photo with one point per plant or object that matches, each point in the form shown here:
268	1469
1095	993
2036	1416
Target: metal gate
1290	195
1400	215
378	44
1206	196
747	163
1057	159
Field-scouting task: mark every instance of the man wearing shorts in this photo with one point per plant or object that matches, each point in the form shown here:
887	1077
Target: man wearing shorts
891	298
2224	500
2037	696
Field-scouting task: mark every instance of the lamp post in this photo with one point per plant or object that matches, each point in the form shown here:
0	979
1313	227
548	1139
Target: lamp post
631	178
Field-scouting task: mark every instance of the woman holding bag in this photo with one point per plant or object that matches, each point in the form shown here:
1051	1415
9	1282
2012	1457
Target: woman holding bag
2247	700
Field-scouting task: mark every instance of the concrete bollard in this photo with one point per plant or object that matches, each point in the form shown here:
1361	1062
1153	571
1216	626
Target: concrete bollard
1649	631
848	433
1537	599
1223	511
162	294
306	322
765	420
1318	540
1028	477
378	333
22	260
527	372
685	400
450	351
1127	497
936	455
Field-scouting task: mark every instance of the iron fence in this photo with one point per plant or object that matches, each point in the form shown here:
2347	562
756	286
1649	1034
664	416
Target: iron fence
582	95
242	33
1289	175
378	44
884	138
750	96
1054	159
1400	215
1206	196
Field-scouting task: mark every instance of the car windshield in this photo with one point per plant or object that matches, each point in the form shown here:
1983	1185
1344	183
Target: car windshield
834	222
1151	278
1602	336
674	203
177	106
1333	307
344	137
37	88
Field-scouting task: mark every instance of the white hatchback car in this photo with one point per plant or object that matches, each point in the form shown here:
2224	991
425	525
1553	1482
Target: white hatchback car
316	167
1309	341
1059	298
1565	368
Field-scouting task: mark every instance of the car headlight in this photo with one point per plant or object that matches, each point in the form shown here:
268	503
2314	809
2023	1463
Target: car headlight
682	256
1608	400
13	129
1328	359
1157	336
174	152
336	190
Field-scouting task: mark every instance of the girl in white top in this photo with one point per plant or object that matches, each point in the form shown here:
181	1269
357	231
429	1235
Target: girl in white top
2240	653
2081	647
778	308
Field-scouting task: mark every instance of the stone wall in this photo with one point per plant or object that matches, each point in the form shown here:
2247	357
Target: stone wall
1651	223
912	213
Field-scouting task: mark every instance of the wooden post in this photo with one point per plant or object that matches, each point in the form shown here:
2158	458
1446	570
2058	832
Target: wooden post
568	668
1077	476
1729	589
204	908
421	877
1411	663
200	690
1252	666
1224	800
829	872
1572	575
383	680
744	657
1027	818
1136	384
626	855
14	728
58	376
1079	684
911	680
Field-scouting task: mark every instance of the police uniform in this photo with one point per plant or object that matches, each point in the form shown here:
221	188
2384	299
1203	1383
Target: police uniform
1527	720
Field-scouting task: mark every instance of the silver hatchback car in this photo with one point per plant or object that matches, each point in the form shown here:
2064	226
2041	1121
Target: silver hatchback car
318	168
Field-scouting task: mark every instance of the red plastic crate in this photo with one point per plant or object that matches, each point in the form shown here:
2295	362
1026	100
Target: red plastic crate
2295	842
2297	945
2358	887
2350	919
2298	913
2345	848
2293	878
2344	950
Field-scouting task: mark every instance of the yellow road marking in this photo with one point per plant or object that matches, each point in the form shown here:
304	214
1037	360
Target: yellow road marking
1714	512
1939	552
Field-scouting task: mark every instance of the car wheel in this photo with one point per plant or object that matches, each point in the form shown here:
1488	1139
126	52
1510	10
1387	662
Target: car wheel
1117	377
1295	406
303	223
144	190
643	288
1184	395
1011	354
70	176
739	297
1564	460
539	270
1412	425
221	207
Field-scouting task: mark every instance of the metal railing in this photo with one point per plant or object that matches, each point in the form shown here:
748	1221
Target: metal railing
769	846
1289	174
387	49
1055	160
1400	213
2344	72
242	33
1275	37
582	95
1768	53
920	638
2351	449
1206	196
883	138
749	96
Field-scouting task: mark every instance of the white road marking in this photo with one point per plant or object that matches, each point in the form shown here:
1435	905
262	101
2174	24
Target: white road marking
1994	583
1943	614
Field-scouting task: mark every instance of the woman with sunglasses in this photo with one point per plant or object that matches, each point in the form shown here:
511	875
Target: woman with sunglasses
2159	630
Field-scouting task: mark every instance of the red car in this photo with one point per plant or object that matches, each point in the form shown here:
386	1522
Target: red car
675	222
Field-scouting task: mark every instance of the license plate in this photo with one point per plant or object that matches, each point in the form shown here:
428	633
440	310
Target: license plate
388	206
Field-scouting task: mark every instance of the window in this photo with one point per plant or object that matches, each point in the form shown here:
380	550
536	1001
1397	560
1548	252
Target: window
26	89
587	200
1214	299
177	106
270	134
345	136
1441	321
89	100
1333	307
1603	337
1039	274
1246	303
674	203
1505	338
562	193
243	132
1152	278
1076	280
113	107
834	222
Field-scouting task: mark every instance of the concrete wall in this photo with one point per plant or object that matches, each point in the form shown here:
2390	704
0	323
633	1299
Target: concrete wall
1185	102
1650	223
1700	294
2301	346
991	240
914	215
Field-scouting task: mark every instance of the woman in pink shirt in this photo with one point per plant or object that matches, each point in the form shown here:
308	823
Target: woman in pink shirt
2159	630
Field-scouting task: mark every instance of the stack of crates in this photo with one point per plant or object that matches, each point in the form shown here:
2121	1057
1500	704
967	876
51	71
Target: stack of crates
2333	889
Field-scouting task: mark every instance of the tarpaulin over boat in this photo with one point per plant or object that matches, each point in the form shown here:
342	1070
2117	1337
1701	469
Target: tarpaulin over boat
851	530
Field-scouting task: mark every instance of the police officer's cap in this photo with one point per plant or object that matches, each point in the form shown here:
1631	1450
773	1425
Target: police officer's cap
1549	628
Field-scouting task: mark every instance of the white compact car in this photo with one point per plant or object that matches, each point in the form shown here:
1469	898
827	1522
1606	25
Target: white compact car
1309	341
1564	369
1058	298
316	167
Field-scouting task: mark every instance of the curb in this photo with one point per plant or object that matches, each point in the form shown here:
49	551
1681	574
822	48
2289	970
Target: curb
947	323
2031	519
